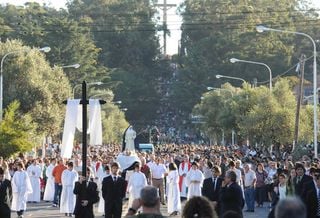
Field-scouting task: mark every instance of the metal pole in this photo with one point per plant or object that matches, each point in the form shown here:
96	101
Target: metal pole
296	127
315	100
45	49
259	63
315	94
84	129
1	95
232	137
230	77
1	84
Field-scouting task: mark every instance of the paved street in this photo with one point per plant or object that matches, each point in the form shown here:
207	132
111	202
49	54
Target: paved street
44	210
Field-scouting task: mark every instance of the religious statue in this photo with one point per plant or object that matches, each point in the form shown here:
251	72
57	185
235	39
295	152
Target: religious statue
129	137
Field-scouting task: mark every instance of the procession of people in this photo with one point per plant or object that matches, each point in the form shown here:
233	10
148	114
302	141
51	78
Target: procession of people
232	178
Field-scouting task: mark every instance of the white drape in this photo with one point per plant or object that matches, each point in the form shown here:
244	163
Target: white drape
69	127
73	120
79	118
95	125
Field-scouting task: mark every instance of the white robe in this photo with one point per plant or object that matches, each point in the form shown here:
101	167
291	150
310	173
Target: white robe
101	174
34	173
49	190
182	171
174	203
129	139
194	189
21	187
68	198
136	182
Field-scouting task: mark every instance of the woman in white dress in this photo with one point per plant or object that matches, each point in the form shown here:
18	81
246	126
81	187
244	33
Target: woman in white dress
103	171
174	203
136	182
194	180
21	187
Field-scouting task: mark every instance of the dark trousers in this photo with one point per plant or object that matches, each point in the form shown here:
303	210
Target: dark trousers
57	193
20	212
5	211
260	195
113	210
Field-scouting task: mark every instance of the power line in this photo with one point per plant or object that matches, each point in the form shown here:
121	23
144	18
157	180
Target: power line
284	73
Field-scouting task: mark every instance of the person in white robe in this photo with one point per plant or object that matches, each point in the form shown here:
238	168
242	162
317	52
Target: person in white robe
194	180
49	190
21	187
174	202
68	198
136	182
103	171
184	168
34	173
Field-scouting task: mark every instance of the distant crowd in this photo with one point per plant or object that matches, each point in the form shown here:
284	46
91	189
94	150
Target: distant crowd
232	179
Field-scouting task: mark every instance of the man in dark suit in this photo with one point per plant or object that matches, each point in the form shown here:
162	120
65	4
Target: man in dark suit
87	195
231	197
211	187
301	179
5	196
311	196
113	192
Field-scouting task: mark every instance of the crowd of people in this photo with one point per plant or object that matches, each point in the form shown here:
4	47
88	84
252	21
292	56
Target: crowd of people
231	178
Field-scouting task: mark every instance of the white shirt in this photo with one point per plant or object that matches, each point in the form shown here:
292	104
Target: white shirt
282	191
249	177
158	171
317	189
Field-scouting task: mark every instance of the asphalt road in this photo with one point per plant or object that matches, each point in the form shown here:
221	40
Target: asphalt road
44	210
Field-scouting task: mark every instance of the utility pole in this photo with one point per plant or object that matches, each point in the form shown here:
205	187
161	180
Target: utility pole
165	7
299	99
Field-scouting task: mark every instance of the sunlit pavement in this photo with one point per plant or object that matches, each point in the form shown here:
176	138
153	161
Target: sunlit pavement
45	210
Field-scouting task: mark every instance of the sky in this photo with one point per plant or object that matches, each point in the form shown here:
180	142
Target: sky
174	21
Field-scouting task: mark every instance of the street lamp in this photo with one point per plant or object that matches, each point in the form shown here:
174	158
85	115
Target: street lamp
124	109
44	49
93	83
234	60
219	89
101	94
230	77
75	66
261	29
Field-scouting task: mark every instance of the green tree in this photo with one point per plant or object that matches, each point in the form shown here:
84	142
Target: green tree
114	124
256	114
214	31
70	42
39	88
126	32
16	130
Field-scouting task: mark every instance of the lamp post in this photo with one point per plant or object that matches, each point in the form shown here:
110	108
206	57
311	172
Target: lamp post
230	77
75	66
261	29
101	94
219	89
78	85
234	60
44	49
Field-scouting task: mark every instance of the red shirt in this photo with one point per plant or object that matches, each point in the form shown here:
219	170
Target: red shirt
57	172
